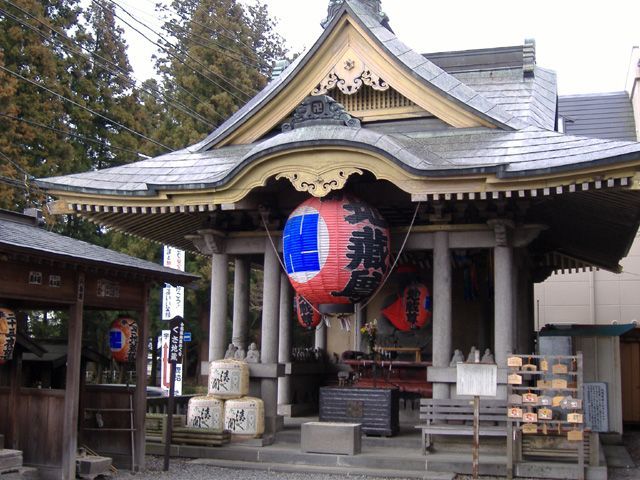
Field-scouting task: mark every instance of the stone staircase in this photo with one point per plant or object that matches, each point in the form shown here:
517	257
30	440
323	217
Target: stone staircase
11	466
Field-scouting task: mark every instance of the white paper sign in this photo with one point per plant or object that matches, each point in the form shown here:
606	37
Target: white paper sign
173	297
477	379
165	378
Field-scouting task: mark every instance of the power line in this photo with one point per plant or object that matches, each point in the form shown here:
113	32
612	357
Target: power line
62	97
174	47
119	72
230	32
68	134
221	49
15	164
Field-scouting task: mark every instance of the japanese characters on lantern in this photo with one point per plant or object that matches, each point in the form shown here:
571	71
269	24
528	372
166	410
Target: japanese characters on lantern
308	316
336	250
123	340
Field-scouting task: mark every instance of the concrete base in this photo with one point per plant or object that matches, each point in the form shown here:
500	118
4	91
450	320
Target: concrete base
92	466
331	437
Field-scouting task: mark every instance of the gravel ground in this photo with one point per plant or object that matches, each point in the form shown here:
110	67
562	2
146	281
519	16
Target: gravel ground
181	469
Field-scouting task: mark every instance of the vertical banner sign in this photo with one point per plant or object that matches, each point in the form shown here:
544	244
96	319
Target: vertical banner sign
165	372
176	335
173	297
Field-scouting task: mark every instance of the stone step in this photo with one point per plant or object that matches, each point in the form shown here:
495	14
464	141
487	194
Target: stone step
559	471
493	465
406	439
21	473
344	471
377	458
90	466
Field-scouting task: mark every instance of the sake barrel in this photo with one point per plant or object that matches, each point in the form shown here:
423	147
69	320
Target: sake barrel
244	417
8	328
228	379
206	412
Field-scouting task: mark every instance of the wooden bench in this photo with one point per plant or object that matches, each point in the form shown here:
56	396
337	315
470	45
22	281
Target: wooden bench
455	417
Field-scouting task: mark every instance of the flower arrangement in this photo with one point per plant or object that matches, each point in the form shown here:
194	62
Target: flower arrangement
370	330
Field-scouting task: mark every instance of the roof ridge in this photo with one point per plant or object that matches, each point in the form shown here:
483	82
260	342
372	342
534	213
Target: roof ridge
416	63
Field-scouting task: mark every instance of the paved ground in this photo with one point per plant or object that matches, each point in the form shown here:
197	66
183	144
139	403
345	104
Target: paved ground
632	443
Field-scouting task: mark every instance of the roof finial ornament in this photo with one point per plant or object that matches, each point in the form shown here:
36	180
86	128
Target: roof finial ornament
374	6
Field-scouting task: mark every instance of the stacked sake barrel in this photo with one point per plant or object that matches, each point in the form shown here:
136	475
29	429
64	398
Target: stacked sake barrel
227	406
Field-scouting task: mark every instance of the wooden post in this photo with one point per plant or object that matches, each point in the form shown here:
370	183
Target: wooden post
140	395
476	438
16	380
72	392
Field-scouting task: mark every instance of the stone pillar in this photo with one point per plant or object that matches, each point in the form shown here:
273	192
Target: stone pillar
284	342
269	334
241	289
442	308
218	318
503	290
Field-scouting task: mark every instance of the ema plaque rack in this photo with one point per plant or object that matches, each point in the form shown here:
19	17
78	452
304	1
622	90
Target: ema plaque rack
545	415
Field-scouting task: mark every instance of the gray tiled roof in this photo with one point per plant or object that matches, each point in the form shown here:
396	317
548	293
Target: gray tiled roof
424	152
599	115
17	236
417	64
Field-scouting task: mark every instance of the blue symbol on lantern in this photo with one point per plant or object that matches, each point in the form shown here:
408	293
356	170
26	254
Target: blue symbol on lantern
301	244
115	339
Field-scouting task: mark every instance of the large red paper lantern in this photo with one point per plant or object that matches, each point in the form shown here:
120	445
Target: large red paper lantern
412	309
336	251
308	316
123	340
8	331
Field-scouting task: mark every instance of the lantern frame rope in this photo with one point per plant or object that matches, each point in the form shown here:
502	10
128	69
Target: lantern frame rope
384	280
395	262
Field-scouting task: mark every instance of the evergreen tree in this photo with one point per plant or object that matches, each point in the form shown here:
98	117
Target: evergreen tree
219	56
27	149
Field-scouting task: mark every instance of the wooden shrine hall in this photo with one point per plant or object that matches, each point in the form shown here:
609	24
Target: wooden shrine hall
41	270
459	154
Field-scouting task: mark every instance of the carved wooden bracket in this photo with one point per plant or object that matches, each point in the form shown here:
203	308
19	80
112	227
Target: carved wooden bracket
208	242
503	229
348	75
319	184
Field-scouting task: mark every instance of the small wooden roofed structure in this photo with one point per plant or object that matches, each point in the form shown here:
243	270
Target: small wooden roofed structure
44	270
466	139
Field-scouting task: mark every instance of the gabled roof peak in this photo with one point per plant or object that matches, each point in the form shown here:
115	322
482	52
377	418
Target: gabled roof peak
374	7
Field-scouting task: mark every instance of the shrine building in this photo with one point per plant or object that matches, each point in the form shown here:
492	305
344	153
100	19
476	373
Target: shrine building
460	155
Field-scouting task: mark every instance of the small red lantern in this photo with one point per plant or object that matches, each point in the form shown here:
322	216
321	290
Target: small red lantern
308	316
412	309
336	251
123	339
8	329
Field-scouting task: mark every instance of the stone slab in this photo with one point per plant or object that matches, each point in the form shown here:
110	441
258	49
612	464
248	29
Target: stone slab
92	466
10	459
331	437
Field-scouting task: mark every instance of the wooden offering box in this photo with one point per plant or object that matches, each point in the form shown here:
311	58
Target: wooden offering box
375	408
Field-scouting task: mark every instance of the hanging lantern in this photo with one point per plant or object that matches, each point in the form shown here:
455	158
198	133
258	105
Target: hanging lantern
411	309
308	316
123	339
336	251
8	329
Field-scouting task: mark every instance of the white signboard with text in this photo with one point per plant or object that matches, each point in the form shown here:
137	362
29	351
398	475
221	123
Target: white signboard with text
477	379
165	379
173	297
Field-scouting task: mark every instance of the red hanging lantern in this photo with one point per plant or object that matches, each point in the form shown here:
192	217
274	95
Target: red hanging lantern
308	316
123	340
336	251
412	309
8	332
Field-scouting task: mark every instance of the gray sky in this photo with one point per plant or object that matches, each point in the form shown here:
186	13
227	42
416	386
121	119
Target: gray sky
587	43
